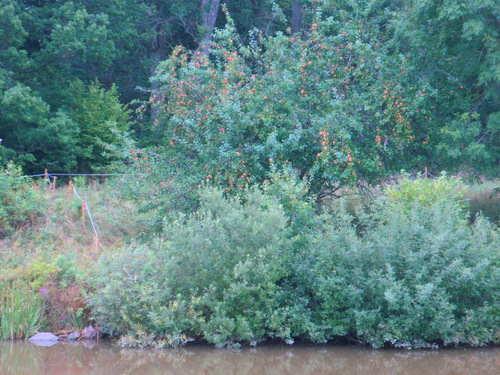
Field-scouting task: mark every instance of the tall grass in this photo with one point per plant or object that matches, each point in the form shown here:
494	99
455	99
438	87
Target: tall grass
21	311
482	199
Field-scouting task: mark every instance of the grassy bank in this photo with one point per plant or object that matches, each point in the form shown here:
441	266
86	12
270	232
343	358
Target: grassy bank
47	247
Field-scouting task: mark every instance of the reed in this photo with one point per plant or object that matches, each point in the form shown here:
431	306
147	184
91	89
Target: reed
21	311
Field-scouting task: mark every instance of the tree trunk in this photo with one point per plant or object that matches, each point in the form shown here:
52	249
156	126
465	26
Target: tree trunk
209	11
157	55
296	16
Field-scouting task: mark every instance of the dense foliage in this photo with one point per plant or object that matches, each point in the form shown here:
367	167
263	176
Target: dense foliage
418	274
213	273
281	80
413	275
20	204
325	104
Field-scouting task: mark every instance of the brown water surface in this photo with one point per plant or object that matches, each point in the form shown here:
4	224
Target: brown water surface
23	358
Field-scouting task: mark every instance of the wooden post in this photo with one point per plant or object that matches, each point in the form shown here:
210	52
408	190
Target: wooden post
53	184
96	243
70	189
84	206
425	173
46	175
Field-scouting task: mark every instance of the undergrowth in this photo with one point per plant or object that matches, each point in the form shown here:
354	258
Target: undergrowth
404	265
240	271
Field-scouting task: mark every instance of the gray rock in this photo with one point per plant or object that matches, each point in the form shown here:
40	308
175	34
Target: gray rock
44	339
74	335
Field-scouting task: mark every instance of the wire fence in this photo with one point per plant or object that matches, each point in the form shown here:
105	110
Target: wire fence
72	188
426	174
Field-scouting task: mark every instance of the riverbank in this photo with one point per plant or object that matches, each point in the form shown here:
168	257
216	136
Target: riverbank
406	270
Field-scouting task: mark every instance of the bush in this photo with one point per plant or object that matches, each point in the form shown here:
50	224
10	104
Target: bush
413	273
427	192
419	275
330	103
20	202
212	274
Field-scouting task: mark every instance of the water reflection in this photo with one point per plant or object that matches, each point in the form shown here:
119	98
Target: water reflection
20	358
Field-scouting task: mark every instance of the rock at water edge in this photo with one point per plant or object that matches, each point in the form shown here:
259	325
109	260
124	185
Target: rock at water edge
44	339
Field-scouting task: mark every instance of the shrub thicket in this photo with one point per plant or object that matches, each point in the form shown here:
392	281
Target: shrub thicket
418	275
239	270
213	274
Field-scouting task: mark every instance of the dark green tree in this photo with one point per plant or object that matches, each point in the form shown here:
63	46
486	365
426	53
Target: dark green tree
46	47
454	49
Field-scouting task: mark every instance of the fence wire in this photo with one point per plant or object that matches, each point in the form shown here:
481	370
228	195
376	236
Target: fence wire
77	194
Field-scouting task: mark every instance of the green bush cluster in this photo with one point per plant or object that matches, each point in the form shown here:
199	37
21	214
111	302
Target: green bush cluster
213	274
20	203
417	276
412	272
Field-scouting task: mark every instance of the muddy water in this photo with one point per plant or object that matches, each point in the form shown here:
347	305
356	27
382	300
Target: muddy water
23	358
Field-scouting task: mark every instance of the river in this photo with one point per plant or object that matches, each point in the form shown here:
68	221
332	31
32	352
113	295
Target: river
24	358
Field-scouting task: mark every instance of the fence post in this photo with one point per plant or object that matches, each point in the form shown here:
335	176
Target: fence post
70	189
96	243
425	173
53	184
46	174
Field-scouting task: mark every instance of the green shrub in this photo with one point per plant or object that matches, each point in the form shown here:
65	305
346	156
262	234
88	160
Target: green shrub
419	275
212	274
20	202
427	192
326	271
413	272
433	271
40	272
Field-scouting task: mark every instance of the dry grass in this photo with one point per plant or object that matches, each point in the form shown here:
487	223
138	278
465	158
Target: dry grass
62	230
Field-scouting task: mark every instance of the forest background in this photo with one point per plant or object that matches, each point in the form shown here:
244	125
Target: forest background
413	83
305	100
